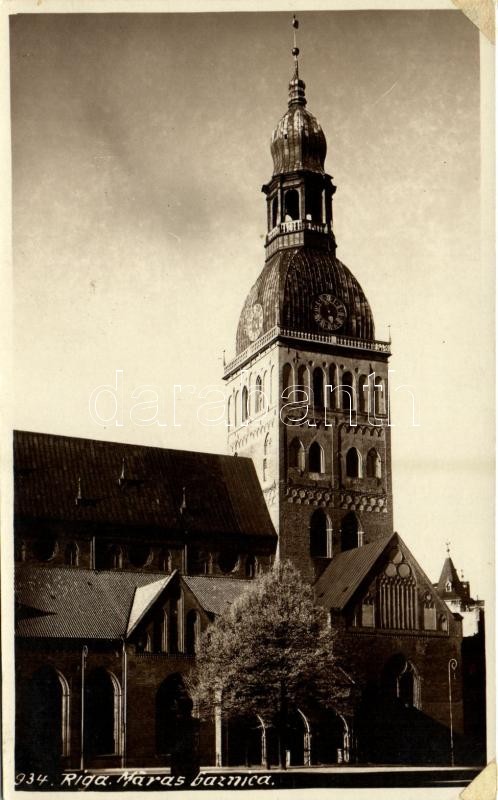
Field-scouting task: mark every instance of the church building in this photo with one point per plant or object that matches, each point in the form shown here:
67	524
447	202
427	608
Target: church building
125	553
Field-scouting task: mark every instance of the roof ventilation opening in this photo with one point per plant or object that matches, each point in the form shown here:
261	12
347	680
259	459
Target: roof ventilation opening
80	500
125	481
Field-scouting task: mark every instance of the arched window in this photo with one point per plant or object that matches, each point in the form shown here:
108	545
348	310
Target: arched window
302	394
48	722
115	557
380	403
316	460
318	393
21	550
291	204
351	532
363	393
139	554
250	567
400	680
347	392
287	381
272	375
303	378
102	713
71	554
320	535
173	715
192	631
297	455
353	463
313	204
374	465
236	415
332	382
245	404
229	413
266	457
160	632
258	400
165	561
175	627
274	212
46	548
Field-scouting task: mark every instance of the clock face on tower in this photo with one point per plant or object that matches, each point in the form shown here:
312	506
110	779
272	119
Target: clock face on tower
254	321
329	312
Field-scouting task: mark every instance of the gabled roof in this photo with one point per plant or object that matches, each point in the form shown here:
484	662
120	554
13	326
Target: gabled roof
74	603
143	599
215	593
222	493
337	584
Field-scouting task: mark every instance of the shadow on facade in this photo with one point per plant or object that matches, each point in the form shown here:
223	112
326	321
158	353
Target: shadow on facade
310	738
390	731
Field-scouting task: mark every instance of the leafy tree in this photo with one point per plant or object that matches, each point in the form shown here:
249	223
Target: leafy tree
269	652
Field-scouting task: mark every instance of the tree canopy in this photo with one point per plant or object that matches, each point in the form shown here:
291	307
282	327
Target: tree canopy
270	651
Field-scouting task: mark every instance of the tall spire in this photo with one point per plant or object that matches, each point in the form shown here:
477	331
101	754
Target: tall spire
296	86
295	49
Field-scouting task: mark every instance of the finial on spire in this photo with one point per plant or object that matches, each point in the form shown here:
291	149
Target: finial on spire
296	86
448	547
183	506
295	49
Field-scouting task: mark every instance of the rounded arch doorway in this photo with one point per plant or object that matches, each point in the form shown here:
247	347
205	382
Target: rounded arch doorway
173	715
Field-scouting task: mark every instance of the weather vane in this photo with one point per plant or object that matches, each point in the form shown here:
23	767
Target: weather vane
295	49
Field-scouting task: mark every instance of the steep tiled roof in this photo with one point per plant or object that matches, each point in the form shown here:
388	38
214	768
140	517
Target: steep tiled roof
337	584
215	593
449	573
73	603
76	603
222	493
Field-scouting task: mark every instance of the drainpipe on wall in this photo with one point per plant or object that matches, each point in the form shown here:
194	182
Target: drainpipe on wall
124	668
84	654
218	730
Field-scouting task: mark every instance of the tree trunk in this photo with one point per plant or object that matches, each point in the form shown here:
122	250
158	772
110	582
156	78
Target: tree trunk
282	727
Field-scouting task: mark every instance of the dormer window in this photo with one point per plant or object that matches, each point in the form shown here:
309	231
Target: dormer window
448	586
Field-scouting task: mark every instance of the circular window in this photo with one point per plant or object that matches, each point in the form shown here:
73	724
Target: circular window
404	571
139	555
227	562
396	556
46	549
390	570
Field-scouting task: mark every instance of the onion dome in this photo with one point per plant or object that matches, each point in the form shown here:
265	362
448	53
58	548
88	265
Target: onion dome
296	284
298	141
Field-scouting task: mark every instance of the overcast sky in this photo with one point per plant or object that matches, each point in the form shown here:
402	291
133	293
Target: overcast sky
140	145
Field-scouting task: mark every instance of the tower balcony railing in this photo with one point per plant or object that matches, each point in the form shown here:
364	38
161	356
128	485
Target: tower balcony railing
278	332
296	225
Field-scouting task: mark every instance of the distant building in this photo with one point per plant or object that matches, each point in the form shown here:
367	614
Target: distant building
124	554
456	594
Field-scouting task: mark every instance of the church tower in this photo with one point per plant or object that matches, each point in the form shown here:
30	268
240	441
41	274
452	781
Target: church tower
308	387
